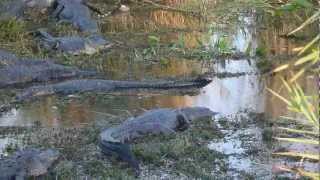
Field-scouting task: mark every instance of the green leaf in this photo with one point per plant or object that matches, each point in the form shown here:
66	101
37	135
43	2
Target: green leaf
298	140
298	154
310	20
307	58
303	3
299	131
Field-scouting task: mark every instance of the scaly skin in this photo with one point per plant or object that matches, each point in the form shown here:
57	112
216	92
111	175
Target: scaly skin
74	45
76	13
19	72
12	9
7	58
27	163
16	8
160	121
100	85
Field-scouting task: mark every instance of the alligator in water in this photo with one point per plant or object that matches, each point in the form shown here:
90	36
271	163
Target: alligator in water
20	71
115	140
27	163
74	45
100	85
77	13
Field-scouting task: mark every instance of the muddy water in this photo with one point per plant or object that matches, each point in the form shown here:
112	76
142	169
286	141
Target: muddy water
243	90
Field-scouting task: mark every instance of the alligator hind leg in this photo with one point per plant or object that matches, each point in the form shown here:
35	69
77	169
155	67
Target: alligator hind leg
123	151
183	123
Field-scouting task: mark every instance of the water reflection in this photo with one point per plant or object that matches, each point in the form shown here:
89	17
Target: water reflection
231	95
225	95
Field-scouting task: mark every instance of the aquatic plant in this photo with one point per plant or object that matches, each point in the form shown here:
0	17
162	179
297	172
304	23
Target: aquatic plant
298	102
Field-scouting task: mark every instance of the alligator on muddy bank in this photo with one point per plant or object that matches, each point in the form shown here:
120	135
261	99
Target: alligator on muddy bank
16	8
75	44
77	13
27	163
101	85
72	11
17	71
114	140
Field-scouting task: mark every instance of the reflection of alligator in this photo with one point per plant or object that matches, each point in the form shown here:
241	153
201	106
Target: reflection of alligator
22	71
74	45
77	13
27	163
99	85
161	121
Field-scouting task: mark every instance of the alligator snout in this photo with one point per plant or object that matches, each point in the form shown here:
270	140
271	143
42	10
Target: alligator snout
203	80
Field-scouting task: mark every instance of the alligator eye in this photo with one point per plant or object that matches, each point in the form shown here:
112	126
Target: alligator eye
182	123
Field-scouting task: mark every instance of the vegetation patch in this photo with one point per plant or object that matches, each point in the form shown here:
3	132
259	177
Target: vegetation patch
12	30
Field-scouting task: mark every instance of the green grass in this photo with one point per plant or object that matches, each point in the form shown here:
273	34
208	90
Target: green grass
12	30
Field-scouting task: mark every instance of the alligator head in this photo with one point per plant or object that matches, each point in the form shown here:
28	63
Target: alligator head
203	80
34	92
96	42
188	114
35	161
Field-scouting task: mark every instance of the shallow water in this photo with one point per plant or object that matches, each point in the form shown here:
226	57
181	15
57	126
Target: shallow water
242	91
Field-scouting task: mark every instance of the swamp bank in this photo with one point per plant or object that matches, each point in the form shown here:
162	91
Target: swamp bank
237	43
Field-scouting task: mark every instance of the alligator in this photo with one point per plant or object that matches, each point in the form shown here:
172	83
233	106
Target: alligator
7	58
16	8
12	9
75	12
101	85
74	45
115	140
27	163
21	71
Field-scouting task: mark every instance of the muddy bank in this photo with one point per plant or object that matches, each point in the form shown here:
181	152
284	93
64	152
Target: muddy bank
160	157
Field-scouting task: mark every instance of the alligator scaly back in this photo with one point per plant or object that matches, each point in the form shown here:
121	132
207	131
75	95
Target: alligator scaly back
100	85
27	163
15	71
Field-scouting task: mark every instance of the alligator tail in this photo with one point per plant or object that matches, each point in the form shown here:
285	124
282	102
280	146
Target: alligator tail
123	151
198	82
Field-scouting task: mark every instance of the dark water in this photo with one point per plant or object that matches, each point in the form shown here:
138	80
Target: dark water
230	96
